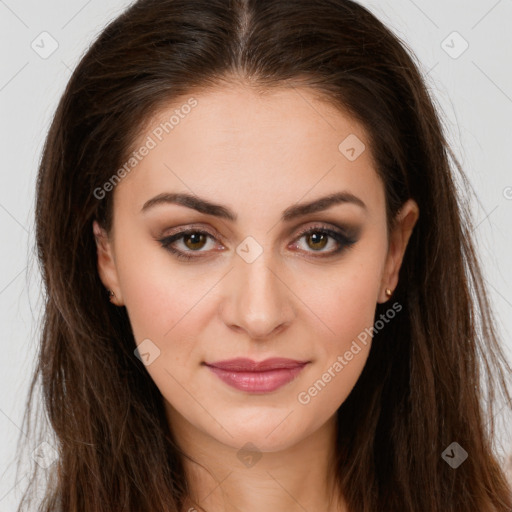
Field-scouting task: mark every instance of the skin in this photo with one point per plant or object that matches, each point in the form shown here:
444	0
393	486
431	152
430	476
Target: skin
256	155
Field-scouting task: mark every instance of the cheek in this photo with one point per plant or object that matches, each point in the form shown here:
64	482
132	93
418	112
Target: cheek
342	350
354	309
345	306
343	301
157	294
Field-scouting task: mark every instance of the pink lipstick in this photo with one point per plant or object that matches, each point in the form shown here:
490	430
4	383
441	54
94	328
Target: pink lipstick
257	377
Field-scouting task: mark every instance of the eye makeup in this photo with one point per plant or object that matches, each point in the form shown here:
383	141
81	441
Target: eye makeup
342	239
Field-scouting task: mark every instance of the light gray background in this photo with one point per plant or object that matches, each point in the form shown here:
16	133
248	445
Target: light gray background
474	90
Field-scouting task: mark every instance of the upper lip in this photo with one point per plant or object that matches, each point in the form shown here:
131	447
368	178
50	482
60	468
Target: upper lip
242	364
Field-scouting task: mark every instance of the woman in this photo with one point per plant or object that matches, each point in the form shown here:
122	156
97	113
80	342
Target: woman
259	273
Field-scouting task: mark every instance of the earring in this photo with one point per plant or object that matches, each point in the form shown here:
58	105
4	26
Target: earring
111	295
389	292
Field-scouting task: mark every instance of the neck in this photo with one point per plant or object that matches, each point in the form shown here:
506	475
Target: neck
230	479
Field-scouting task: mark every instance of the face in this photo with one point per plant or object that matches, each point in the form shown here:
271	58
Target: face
253	264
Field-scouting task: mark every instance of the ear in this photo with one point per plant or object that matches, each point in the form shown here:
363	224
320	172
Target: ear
107	269
399	237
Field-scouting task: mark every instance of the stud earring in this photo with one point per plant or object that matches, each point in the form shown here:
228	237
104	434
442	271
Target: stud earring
111	295
389	292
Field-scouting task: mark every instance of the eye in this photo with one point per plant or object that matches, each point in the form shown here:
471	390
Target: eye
192	239
317	238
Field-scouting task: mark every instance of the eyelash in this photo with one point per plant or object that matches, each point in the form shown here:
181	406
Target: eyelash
344	242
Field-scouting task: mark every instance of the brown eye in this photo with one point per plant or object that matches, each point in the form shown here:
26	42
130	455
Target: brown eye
192	240
318	240
195	240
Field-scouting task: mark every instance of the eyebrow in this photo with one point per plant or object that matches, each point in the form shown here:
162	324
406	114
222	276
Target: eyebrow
217	210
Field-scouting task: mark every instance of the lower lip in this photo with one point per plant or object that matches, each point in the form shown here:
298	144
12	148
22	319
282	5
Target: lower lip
257	382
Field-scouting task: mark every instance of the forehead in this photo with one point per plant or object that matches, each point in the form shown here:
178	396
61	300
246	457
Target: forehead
252	150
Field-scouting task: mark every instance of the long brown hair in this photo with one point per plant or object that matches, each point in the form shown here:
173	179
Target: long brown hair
422	387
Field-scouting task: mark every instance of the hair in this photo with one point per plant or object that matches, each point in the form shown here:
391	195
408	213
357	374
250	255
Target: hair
422	387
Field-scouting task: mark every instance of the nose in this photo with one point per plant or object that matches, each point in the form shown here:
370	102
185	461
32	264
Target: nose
258	300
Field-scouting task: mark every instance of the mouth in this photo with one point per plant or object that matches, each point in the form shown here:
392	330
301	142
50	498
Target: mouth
257	377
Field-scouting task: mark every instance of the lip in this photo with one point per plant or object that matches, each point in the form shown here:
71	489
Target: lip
242	364
257	377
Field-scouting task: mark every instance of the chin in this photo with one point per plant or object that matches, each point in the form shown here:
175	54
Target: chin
268	433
